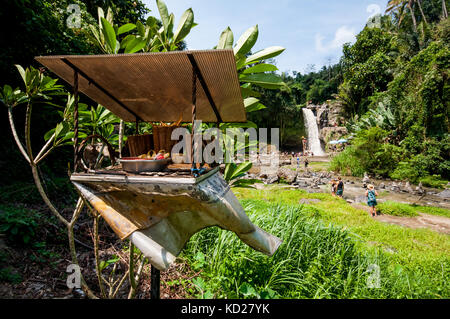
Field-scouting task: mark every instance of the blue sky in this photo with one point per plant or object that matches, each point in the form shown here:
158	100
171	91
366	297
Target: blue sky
312	31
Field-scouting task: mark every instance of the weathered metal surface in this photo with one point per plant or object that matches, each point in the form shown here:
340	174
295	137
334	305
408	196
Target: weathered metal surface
160	214
156	87
143	165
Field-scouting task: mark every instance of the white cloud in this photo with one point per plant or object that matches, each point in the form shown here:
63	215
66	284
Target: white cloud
343	35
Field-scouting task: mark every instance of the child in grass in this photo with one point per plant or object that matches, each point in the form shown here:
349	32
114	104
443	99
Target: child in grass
371	194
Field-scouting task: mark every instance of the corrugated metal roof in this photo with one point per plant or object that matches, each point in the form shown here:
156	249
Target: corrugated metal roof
156	87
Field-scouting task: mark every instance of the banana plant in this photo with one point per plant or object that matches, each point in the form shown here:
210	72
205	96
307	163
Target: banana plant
252	71
105	35
251	68
233	173
156	36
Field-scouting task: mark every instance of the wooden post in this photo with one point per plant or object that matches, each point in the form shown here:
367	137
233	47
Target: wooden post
75	118
155	280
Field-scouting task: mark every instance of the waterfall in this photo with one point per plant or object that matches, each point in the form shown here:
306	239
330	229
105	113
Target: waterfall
313	132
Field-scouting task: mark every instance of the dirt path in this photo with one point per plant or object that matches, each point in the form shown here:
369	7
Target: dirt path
437	223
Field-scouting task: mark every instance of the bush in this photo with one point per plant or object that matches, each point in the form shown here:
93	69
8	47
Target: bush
435	181
18	223
396	209
347	163
370	153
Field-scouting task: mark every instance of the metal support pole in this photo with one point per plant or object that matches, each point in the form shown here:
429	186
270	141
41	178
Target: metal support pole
194	113
75	118
155	280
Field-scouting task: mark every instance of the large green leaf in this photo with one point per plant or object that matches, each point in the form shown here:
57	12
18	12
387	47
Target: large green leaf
260	68
22	73
126	28
265	80
267	53
140	28
252	104
101	14
246	41
164	13
226	39
151	21
241	169
61	129
169	29
245	183
184	26
110	16
110	35
247	92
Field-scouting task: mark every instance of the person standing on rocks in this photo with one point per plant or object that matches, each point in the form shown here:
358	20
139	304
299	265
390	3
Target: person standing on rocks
371	195
340	187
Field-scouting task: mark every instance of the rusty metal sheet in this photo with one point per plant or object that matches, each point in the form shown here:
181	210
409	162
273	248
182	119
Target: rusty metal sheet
159	215
156	87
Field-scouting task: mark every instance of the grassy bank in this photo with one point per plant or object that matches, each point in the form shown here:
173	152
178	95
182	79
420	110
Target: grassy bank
329	250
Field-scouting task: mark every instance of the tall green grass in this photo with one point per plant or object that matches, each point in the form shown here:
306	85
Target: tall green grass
347	163
396	209
315	260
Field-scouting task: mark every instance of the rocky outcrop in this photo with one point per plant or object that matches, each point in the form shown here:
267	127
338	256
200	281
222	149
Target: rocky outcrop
332	133
329	119
445	194
287	174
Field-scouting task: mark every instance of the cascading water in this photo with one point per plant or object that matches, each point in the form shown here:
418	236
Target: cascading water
313	132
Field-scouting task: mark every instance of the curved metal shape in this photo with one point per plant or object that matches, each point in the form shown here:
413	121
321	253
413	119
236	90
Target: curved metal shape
160	214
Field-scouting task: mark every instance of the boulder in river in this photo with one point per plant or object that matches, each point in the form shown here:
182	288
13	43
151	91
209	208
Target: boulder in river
395	187
419	189
272	179
287	174
444	194
366	179
408	188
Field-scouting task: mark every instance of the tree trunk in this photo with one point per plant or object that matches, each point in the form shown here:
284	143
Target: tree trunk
419	2
412	15
444	10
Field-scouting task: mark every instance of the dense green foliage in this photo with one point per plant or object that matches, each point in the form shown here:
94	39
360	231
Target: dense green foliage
396	95
39	27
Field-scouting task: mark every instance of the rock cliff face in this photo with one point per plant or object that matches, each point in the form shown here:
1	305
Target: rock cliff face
332	133
329	120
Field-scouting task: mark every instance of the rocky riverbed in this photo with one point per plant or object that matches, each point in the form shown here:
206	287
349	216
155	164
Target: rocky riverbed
354	188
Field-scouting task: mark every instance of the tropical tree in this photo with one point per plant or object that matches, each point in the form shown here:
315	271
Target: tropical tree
39	89
399	6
